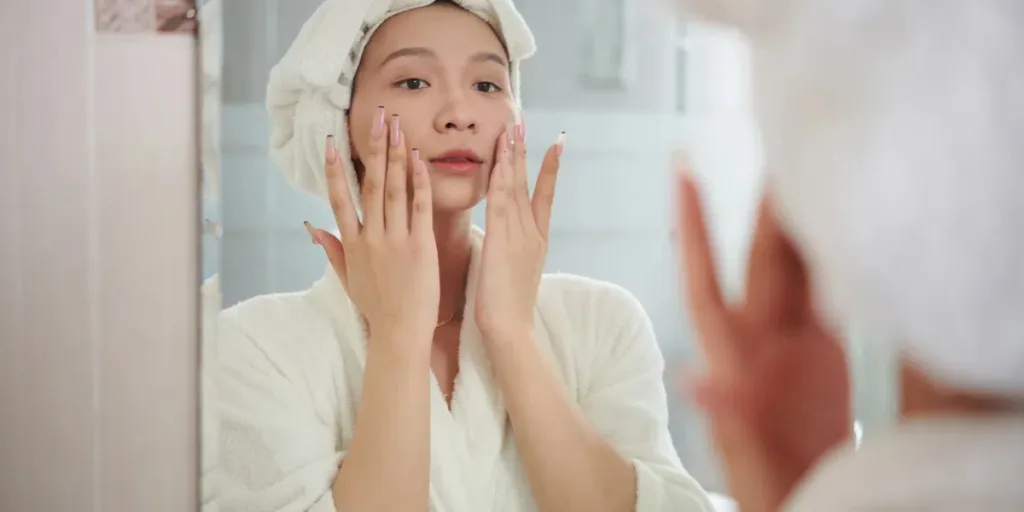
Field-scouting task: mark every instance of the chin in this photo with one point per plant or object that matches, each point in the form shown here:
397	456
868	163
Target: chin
457	197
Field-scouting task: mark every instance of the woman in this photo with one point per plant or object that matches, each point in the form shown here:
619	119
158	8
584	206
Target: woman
434	367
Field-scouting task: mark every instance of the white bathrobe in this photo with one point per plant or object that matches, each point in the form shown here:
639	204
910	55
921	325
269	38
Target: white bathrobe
291	369
934	465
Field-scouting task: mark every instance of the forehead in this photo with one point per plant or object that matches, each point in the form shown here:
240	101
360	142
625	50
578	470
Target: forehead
447	30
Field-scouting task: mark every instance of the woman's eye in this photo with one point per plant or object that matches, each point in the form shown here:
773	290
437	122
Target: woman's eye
487	87
413	83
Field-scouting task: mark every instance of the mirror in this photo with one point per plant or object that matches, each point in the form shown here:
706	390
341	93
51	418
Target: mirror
211	70
288	371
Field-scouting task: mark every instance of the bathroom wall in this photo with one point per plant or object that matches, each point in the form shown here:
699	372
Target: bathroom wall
99	266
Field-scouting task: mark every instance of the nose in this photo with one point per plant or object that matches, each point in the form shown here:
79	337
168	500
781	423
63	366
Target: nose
456	115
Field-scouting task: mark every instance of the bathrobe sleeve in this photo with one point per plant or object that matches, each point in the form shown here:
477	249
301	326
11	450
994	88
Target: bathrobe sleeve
626	401
278	450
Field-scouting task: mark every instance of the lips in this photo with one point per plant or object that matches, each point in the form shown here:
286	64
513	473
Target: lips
460	161
455	159
458	156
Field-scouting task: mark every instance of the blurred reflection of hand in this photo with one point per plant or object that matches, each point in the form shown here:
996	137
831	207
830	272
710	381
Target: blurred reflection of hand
777	390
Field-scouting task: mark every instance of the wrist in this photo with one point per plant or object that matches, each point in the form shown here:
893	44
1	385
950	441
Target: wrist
404	338
504	337
403	334
508	349
398	351
758	477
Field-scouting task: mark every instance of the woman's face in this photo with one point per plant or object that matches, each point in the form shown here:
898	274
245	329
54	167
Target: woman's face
445	73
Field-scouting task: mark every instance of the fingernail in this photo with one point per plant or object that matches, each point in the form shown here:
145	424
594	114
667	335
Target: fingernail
311	231
510	133
560	144
378	123
395	132
520	131
332	152
682	164
415	155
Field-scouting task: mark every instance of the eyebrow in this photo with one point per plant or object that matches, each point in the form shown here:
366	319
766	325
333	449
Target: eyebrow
426	52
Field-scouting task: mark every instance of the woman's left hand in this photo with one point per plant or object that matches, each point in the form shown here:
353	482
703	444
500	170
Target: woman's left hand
516	241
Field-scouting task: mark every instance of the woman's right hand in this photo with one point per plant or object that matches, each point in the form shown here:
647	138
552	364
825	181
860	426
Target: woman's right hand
387	263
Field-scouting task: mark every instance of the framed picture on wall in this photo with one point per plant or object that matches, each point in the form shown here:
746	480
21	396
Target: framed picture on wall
141	16
607	45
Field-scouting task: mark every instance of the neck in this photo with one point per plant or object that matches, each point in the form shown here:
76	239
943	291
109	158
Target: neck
920	396
452	233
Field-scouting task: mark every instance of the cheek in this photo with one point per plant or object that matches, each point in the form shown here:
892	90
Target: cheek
509	113
415	119
358	134
498	119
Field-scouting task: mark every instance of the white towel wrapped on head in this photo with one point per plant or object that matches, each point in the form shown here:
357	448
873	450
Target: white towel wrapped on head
310	89
892	133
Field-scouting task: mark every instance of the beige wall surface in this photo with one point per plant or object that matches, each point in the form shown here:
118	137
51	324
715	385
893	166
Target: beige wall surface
98	264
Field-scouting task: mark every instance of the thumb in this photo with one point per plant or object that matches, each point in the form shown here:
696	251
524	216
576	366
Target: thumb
334	250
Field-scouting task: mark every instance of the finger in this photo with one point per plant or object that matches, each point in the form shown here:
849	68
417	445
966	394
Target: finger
544	191
777	291
514	220
505	160
334	250
338	192
699	266
422	221
499	200
396	217
520	187
702	290
375	164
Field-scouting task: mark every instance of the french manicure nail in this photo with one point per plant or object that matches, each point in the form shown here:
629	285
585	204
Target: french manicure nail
415	155
311	231
378	123
521	131
332	152
395	131
560	144
510	133
682	164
